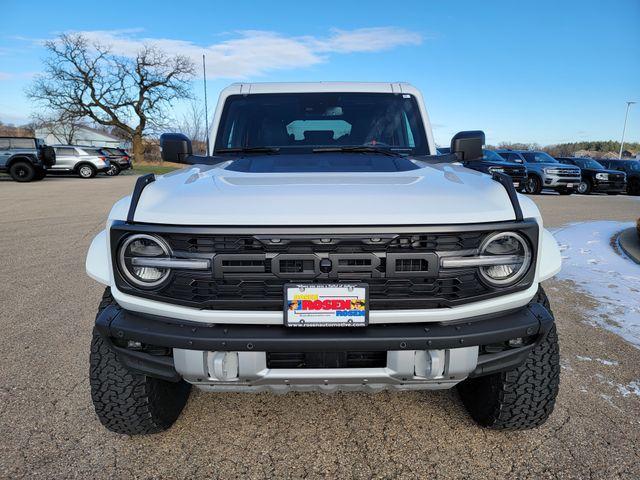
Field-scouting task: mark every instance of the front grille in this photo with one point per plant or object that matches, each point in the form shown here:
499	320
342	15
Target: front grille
517	172
327	360
250	271
568	172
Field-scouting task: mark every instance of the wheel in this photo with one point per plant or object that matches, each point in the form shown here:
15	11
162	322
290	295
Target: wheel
87	171
128	402
532	185
633	187
113	170
22	171
584	187
522	398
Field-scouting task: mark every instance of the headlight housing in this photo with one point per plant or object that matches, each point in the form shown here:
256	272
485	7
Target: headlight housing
496	169
133	250
602	176
552	171
512	258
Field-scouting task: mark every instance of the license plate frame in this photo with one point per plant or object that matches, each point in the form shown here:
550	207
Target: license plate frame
326	315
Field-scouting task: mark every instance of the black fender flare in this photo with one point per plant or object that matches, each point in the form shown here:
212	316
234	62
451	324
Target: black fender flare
23	157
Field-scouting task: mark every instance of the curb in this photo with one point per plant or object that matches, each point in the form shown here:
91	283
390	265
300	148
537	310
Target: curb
630	243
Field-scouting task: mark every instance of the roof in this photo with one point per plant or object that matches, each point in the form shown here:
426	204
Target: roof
312	87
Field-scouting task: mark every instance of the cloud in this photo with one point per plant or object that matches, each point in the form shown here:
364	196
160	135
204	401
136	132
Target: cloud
257	52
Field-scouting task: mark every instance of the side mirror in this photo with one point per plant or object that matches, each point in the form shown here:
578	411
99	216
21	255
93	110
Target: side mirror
175	147
468	145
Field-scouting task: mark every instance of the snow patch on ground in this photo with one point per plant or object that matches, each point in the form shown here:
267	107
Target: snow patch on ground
601	360
631	388
610	278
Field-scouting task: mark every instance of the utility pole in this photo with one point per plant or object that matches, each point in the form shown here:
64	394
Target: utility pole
206	105
624	128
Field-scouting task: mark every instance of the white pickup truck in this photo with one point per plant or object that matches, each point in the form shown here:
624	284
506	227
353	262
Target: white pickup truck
323	245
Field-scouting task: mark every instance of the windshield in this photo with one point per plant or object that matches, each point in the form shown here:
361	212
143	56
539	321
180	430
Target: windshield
538	157
491	156
634	165
302	122
588	163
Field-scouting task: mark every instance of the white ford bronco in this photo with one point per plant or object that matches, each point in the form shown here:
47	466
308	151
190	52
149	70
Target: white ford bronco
323	245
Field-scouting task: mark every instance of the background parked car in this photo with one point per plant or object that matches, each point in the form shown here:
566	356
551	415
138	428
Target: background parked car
630	167
86	162
25	159
544	171
492	162
119	159
596	178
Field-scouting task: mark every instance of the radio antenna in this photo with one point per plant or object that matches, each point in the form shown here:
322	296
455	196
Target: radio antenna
206	105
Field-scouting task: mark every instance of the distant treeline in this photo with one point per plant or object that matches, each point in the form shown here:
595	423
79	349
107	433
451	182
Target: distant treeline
568	149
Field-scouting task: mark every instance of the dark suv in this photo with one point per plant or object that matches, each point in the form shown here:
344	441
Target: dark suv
595	177
491	162
119	159
630	167
544	171
25	159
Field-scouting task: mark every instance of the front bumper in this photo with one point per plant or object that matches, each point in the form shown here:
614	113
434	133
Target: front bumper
418	356
556	181
606	186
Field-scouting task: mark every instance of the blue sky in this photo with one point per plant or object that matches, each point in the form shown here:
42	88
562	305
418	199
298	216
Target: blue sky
545	71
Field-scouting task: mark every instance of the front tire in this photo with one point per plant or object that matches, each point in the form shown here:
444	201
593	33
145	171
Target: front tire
127	402
584	187
522	398
22	172
533	185
633	188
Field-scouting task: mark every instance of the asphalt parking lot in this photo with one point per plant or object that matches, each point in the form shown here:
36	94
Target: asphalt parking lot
48	428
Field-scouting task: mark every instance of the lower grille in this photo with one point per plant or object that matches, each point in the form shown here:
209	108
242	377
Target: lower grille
327	360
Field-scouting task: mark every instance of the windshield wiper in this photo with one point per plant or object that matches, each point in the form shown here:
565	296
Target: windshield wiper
248	150
358	149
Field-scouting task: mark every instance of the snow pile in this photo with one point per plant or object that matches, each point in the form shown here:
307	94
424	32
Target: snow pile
612	279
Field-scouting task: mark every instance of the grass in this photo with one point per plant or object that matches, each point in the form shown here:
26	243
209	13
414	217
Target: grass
157	168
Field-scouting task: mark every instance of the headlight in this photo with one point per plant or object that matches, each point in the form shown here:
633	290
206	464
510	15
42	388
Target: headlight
553	171
496	169
131	260
602	176
512	258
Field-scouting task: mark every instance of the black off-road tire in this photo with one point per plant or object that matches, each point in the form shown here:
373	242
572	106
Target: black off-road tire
22	171
522	398
128	402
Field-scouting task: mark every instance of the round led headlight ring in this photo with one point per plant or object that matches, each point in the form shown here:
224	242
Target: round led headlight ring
143	246
507	244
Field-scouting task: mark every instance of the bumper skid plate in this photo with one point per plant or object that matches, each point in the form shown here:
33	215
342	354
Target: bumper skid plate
250	342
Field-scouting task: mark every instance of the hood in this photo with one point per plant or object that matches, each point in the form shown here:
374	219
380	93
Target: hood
405	194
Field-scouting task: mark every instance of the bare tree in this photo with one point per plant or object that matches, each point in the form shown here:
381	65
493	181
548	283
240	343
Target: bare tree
85	80
61	123
193	125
